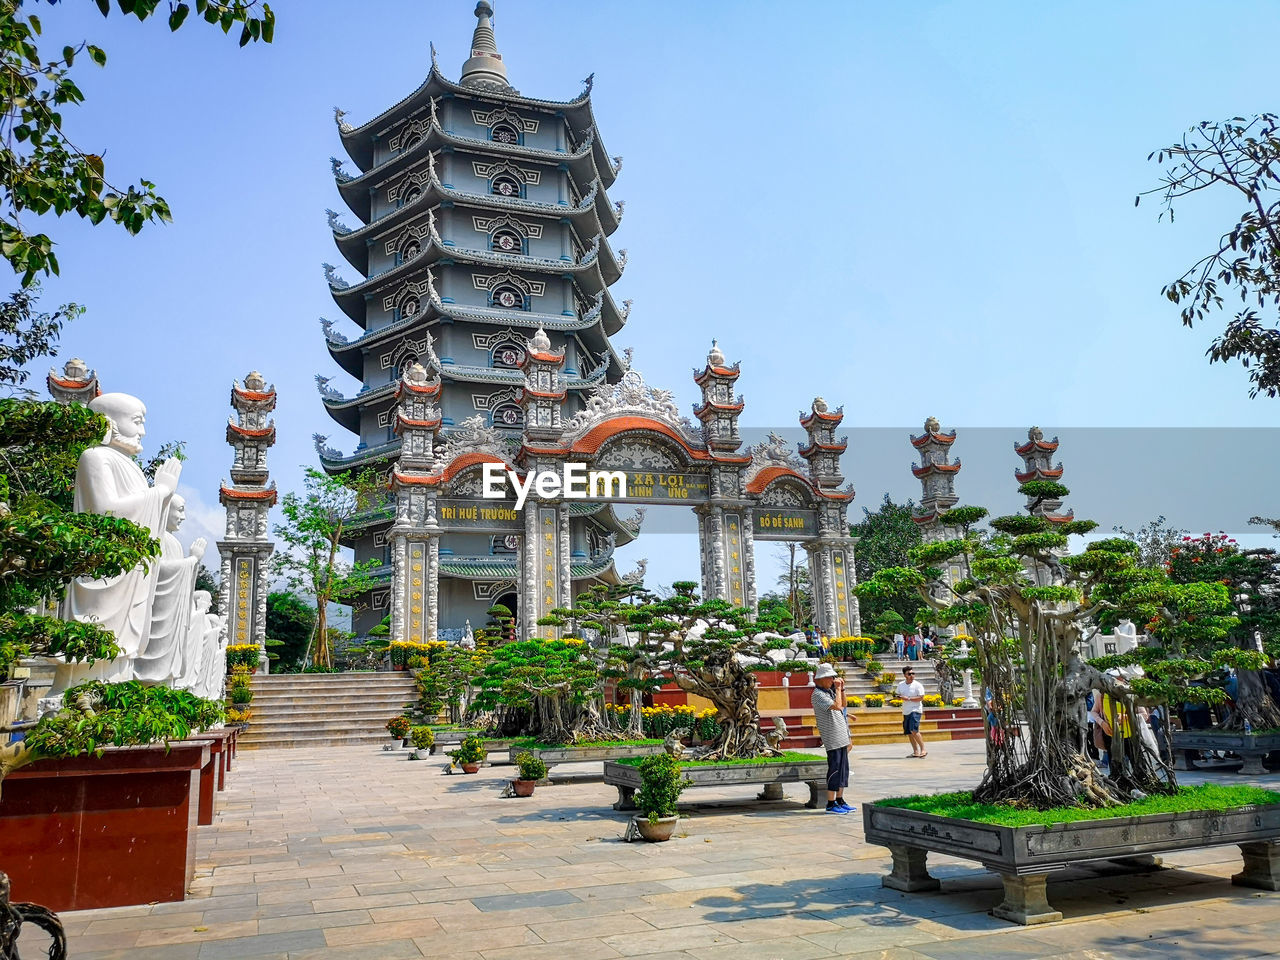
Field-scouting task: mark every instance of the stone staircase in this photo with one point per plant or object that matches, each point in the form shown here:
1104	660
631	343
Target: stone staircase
325	709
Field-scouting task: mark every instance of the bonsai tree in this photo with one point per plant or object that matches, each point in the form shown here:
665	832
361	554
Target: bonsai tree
448	682
548	689
707	647
1029	602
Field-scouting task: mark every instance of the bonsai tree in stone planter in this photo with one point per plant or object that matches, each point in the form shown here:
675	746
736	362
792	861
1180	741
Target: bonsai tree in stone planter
1028	602
532	770
709	648
661	784
448	682
547	689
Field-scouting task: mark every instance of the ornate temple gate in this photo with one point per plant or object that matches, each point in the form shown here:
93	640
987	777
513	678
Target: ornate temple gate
767	492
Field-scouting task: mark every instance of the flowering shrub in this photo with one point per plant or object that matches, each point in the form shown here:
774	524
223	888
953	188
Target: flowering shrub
932	700
875	700
895	702
852	648
245	654
423	737
403	651
398	727
235	716
888	677
659	721
854	701
957	701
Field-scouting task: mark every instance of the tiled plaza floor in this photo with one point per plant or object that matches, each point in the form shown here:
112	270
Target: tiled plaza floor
356	853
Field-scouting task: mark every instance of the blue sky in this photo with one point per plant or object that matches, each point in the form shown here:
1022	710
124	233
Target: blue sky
912	209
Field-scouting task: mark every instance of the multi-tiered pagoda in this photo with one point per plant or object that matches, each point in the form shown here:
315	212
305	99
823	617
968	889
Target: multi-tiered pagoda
484	218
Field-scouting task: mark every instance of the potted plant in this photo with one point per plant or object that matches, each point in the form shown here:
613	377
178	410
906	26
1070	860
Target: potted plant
398	727
532	769
873	668
887	681
470	754
661	784
423	738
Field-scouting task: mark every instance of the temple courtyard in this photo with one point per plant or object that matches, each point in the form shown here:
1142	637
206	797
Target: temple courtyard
360	854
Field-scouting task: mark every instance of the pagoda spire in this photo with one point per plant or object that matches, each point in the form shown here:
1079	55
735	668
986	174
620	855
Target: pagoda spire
485	67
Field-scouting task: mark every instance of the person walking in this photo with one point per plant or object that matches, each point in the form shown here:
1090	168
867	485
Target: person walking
911	692
899	645
831	715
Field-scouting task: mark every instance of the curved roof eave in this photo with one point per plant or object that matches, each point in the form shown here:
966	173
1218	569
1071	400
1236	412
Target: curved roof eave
358	141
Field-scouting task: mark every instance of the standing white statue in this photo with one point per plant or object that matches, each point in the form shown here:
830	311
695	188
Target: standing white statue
468	638
162	660
208	646
109	481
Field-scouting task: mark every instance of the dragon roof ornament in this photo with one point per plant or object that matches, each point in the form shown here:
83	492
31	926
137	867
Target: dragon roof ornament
773	451
331	334
335	281
336	225
338	173
631	396
325	451
339	117
475	435
322	385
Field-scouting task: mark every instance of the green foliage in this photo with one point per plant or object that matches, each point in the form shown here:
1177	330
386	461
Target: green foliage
471	750
243	655
531	768
1043	490
661	784
787	756
42	170
446	679
1239	157
398	727
422	737
963	517
290	620
27	333
1210	796
1155	541
97	715
521	672
315	524
857	648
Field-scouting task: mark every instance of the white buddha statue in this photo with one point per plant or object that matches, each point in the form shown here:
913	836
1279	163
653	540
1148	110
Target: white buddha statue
207	645
162	660
109	481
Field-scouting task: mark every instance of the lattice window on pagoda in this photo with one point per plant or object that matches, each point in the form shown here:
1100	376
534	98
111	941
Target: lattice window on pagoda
409	251
409	307
507	355
508	416
505	185
508	296
505	133
507	241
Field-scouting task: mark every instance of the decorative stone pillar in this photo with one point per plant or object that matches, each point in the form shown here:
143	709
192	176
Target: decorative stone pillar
545	565
728	569
937	476
248	500
414	537
831	569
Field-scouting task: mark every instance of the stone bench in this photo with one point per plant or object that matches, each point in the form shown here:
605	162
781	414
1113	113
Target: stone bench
452	739
1024	857
771	775
571	754
1251	748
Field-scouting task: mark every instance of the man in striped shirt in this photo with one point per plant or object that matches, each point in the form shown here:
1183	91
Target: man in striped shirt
831	715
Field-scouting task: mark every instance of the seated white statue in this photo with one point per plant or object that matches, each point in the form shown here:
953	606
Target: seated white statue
109	481
162	660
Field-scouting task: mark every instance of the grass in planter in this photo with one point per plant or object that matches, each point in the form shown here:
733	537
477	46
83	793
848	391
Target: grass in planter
1209	796
542	745
790	756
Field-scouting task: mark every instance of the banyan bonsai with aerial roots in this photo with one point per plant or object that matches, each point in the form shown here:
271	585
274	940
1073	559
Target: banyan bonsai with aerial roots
1028	603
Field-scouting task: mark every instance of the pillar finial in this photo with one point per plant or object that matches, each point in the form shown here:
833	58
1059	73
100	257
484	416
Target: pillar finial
485	67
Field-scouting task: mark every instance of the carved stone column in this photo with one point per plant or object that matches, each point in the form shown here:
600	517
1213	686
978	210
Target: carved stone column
414	537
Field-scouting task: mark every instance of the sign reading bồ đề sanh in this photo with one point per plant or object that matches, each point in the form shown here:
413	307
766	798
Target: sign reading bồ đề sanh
781	523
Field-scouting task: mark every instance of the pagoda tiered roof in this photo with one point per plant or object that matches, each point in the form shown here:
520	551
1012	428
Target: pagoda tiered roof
592	214
231	494
357	192
592	274
235	431
944	439
359	141
929	468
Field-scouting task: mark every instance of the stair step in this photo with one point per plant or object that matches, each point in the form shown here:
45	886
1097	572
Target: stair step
321	710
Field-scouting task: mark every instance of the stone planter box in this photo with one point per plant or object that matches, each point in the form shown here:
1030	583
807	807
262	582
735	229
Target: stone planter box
1252	748
112	831
771	775
213	776
1025	856
554	755
447	740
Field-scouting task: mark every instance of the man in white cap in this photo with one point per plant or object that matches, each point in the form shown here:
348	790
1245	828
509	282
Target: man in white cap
831	715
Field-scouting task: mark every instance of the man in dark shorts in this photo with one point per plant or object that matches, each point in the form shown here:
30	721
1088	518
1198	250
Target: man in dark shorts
911	691
831	716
